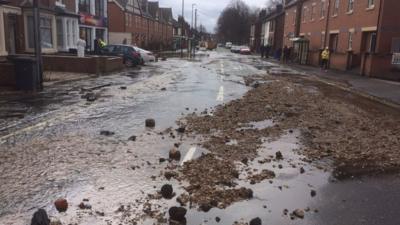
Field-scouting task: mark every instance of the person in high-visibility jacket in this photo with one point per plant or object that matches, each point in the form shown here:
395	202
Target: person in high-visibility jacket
325	59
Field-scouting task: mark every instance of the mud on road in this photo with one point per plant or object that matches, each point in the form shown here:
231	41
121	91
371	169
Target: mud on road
338	131
283	148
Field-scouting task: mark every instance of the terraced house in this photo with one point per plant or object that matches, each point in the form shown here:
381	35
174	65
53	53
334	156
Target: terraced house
363	35
141	23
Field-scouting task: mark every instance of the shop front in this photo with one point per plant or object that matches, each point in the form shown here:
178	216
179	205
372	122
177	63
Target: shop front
92	27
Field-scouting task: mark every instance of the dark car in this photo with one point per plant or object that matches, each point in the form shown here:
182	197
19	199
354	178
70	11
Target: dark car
130	56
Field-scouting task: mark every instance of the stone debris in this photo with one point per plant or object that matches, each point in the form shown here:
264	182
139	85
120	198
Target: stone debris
167	191
298	213
150	123
313	193
106	133
61	205
132	138
175	154
256	221
84	205
40	217
177	213
278	155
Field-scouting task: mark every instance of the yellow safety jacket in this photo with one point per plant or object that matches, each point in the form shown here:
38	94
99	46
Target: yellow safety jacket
102	44
325	54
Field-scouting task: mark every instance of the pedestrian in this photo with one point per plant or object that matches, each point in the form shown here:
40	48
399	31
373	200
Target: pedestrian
267	50
262	50
325	59
125	41
81	45
286	53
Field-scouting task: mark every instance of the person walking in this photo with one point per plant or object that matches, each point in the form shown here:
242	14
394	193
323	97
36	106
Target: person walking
262	50
286	54
325	59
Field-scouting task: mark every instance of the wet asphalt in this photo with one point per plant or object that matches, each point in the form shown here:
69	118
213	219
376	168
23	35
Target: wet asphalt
51	147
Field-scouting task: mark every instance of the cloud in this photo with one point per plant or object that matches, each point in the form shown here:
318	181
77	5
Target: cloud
208	10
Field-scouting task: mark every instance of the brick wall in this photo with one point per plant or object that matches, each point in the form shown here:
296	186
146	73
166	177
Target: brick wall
91	65
116	18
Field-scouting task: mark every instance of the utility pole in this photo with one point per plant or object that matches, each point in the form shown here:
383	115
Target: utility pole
192	47
195	31
37	43
182	26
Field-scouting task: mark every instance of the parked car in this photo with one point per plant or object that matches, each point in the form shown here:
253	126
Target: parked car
235	49
130	56
147	56
228	45
244	50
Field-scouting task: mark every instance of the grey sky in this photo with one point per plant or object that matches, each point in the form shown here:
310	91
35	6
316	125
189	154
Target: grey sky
209	10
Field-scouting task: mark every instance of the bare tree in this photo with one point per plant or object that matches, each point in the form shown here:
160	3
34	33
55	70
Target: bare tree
234	22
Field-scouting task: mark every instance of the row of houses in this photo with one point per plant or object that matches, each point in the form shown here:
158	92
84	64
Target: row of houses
363	35
63	22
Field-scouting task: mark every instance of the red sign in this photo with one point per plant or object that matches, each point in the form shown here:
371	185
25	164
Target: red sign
91	20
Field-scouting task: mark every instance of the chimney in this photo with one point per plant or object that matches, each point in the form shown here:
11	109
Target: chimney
279	8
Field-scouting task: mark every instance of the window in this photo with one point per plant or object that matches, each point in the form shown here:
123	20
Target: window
350	42
74	37
60	36
304	14
350	6
323	9
99	8
84	6
396	45
333	42
46	32
294	17
372	43
312	12
336	7
371	3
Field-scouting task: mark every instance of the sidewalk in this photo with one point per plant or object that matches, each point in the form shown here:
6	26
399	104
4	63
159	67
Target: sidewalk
382	89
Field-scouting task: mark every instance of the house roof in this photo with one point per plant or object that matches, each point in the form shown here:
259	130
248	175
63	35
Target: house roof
153	9
166	14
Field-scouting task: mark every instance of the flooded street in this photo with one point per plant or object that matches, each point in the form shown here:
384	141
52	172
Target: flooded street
58	144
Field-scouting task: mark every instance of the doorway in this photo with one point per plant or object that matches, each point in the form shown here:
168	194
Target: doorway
11	37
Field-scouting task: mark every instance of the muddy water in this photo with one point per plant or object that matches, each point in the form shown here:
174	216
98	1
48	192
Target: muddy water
55	150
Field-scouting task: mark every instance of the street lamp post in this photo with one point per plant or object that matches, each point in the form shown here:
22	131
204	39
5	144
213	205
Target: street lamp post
192	48
37	42
182	23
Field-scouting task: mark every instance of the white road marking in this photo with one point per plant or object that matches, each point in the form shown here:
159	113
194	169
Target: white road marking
189	155
222	68
220	96
240	67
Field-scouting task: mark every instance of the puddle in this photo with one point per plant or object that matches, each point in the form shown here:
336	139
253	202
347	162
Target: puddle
259	125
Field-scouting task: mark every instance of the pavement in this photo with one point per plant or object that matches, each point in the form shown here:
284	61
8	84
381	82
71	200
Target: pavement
386	90
51	147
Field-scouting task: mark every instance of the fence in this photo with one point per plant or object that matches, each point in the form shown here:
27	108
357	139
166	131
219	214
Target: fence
396	59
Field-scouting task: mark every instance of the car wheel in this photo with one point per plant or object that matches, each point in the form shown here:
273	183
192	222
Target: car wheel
129	63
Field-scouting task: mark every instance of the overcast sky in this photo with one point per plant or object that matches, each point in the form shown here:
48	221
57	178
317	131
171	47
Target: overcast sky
208	10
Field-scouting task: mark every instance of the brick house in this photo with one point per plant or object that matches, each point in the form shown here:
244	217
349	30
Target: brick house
273	25
363	35
141	23
58	26
255	32
292	21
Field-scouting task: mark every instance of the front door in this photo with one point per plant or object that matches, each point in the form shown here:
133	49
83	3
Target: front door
11	36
